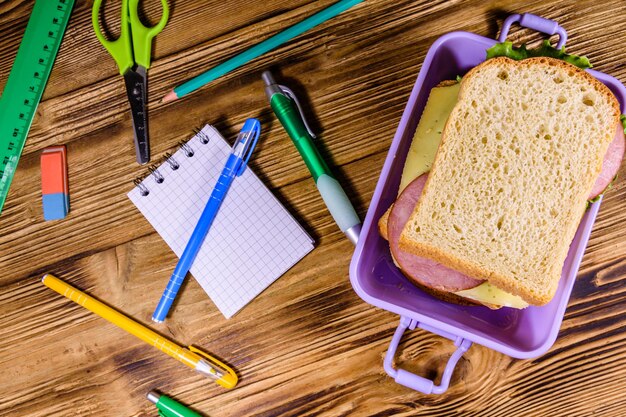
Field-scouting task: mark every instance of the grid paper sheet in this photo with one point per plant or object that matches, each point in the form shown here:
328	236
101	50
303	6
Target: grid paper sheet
253	240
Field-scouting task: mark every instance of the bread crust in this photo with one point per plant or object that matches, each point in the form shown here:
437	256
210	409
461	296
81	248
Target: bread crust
465	265
382	223
451	297
598	86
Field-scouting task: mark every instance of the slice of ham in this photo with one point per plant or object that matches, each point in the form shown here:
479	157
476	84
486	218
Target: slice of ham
611	163
425	271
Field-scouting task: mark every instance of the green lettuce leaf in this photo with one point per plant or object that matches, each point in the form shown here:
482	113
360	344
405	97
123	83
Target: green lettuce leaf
622	119
507	49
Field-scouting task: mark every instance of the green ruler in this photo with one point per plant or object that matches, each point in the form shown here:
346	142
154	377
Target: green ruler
27	81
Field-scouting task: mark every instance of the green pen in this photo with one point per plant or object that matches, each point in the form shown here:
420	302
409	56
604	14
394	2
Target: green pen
288	110
170	408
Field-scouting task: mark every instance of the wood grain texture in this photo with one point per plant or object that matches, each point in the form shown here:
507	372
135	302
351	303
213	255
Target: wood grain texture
308	345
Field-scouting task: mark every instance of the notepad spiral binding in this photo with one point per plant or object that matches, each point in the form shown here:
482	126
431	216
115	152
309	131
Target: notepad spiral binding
155	169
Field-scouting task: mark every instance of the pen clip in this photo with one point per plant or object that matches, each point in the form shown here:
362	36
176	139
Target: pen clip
257	133
289	93
221	365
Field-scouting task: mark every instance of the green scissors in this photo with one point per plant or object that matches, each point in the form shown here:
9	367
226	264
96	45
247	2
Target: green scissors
131	51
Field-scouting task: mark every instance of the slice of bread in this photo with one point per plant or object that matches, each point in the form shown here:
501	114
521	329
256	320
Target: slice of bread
519	155
382	223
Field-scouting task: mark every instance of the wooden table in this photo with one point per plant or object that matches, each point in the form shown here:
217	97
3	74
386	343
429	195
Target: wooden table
308	345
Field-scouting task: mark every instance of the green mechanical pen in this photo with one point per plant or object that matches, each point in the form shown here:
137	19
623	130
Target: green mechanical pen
168	407
288	110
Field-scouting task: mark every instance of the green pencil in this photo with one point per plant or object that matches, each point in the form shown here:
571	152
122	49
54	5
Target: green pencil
259	49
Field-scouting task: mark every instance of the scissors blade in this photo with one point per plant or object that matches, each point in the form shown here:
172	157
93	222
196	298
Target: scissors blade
136	90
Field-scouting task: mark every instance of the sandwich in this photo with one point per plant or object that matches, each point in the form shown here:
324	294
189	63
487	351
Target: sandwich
499	174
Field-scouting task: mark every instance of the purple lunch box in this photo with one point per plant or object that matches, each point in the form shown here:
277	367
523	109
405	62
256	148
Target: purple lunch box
520	334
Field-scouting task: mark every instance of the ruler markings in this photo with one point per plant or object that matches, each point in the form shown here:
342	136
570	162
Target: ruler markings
27	80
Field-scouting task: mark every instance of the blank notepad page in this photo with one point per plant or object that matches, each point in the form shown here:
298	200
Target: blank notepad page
253	240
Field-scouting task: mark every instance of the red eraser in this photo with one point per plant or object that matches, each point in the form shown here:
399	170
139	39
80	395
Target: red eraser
54	170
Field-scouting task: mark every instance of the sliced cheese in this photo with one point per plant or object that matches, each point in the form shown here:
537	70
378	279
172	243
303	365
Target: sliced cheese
487	293
427	136
420	159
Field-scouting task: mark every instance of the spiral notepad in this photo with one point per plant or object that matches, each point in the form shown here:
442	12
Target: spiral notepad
253	240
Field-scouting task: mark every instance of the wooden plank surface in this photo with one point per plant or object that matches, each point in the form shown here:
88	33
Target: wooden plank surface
308	345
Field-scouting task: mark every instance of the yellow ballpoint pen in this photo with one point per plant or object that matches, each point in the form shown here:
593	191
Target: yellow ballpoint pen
192	357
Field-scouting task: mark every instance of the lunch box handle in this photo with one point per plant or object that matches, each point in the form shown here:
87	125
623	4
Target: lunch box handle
538	23
416	382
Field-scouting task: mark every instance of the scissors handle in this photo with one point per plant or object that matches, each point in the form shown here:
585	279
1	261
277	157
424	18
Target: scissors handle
120	48
142	35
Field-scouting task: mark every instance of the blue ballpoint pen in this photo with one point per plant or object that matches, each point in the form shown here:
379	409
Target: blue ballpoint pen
235	166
